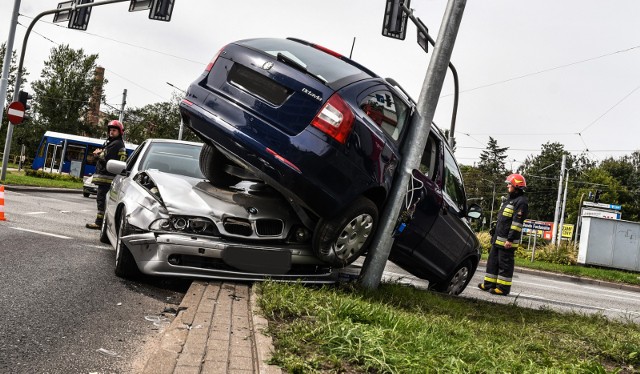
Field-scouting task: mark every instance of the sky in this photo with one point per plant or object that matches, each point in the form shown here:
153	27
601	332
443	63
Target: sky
529	72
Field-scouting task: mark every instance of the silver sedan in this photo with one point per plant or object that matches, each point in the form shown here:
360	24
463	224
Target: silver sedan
163	218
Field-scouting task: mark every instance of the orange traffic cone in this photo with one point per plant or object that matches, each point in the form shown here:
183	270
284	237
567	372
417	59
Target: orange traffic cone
2	203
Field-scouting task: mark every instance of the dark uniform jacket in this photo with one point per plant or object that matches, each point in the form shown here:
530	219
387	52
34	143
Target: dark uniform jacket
512	214
114	149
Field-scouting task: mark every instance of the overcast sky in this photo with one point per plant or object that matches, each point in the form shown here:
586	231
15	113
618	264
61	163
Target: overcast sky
530	72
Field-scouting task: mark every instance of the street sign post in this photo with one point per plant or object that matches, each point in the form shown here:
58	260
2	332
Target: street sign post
15	113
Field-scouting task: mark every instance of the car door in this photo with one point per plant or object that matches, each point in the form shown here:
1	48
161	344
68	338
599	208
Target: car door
448	239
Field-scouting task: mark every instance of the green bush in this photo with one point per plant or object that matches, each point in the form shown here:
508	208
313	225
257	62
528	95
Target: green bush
485	241
56	176
563	255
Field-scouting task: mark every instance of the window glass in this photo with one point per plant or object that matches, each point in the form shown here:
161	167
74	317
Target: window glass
453	186
174	158
386	110
429	160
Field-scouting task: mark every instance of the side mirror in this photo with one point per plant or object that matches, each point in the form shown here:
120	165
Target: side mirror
474	211
116	166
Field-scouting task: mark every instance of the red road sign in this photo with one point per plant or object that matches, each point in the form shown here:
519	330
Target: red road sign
15	113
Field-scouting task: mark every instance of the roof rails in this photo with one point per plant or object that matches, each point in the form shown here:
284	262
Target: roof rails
335	54
395	84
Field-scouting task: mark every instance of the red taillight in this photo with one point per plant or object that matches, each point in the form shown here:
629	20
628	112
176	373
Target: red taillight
213	60
335	119
327	50
185	101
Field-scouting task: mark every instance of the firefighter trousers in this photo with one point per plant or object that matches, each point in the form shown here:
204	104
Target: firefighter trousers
101	199
500	269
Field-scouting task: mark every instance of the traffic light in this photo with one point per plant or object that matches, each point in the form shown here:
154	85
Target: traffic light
80	17
161	10
24	97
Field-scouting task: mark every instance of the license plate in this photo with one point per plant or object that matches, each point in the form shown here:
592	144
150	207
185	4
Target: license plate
257	260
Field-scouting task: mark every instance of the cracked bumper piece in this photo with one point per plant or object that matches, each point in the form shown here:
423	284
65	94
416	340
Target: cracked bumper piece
216	258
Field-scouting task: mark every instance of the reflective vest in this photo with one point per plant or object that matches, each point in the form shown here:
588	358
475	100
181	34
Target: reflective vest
114	149
512	214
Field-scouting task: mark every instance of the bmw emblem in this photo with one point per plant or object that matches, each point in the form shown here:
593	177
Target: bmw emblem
252	210
267	65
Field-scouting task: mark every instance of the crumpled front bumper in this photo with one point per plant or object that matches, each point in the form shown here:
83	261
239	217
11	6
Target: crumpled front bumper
217	258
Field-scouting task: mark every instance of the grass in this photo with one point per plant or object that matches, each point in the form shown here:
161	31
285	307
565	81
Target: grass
610	275
18	178
399	329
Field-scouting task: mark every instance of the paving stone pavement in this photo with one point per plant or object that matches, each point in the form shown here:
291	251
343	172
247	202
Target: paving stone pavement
217	330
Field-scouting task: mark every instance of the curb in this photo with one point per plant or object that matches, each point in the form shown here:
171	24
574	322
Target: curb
573	278
9	187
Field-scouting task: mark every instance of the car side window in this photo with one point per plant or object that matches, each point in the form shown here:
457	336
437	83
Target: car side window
134	156
429	160
387	110
453	185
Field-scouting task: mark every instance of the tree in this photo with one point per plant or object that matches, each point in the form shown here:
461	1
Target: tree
158	120
492	160
542	173
62	94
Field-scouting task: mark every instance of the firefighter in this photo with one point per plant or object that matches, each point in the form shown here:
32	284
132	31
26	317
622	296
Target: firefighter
506	238
114	149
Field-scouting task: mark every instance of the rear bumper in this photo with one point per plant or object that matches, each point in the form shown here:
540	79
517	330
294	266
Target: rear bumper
324	180
214	258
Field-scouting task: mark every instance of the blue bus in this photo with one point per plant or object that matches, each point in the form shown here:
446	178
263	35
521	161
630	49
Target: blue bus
73	152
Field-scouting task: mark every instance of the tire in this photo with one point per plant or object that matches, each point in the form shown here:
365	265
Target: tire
125	263
103	232
341	240
86	194
457	282
212	165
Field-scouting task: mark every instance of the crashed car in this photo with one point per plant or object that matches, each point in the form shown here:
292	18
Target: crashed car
327	133
163	218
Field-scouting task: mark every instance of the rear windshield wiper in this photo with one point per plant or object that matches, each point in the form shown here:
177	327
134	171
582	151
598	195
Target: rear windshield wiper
296	65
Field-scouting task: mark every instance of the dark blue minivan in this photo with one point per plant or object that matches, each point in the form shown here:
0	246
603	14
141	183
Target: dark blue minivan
326	132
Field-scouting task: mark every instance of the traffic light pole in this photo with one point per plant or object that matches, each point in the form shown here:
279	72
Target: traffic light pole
16	92
420	127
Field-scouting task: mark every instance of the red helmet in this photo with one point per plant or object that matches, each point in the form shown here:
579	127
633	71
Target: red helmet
116	125
517	181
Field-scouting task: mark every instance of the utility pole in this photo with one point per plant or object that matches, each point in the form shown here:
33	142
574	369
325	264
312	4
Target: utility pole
6	64
557	211
564	204
124	102
420	127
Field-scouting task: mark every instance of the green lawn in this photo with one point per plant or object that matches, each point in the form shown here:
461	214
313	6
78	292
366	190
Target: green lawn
400	329
18	178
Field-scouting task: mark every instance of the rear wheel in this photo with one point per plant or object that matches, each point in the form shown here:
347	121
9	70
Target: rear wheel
341	240
86	194
212	166
125	263
457	282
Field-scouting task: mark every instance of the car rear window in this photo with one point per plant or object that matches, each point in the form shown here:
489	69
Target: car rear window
258	84
319	63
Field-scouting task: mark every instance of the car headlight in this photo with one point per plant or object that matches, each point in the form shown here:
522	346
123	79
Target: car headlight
185	224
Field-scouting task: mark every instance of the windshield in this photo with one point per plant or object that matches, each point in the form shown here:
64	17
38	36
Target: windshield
174	158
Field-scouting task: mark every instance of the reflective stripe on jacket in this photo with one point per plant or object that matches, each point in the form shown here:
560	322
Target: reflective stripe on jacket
512	214
114	149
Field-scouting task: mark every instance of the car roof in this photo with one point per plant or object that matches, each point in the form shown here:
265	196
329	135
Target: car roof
175	141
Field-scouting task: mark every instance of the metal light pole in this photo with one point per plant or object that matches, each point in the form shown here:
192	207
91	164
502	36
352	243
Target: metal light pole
6	64
493	198
420	127
564	204
555	215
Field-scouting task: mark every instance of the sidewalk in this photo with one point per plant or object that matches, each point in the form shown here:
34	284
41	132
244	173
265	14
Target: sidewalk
216	331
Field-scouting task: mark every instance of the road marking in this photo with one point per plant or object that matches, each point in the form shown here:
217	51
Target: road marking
42	233
31	213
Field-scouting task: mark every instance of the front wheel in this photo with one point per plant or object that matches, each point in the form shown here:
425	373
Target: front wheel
341	240
457	282
125	263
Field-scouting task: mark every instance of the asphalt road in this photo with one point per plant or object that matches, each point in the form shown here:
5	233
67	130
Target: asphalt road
64	309
541	290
